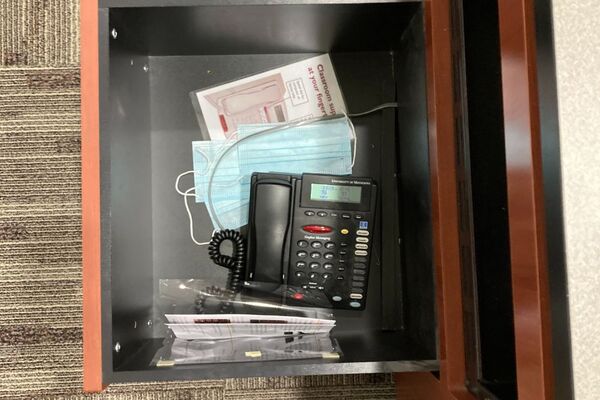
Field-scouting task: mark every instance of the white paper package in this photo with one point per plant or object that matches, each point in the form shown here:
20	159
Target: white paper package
227	326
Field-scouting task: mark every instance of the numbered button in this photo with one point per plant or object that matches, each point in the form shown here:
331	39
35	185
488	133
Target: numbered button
315	255
302	243
328	266
301	254
314	265
313	275
316	245
300	264
329	256
329	245
326	275
299	274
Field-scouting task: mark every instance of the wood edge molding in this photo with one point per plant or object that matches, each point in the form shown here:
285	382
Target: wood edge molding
417	386
90	198
444	193
529	266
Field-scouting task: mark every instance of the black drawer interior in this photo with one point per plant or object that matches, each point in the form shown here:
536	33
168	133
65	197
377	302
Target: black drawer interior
151	57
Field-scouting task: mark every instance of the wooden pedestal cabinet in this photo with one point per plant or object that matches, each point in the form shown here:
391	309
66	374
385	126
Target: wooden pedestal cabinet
469	290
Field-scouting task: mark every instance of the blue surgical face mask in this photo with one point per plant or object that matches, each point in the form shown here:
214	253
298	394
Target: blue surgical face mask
320	147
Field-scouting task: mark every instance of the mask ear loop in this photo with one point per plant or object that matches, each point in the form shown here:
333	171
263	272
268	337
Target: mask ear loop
361	114
354	138
191	218
186	194
191	192
177	184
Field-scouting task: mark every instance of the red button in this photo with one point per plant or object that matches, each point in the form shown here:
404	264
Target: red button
298	296
317	228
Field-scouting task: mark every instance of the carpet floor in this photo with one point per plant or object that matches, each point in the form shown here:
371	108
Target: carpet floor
40	229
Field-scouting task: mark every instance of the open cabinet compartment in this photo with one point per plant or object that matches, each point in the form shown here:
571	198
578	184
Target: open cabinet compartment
150	59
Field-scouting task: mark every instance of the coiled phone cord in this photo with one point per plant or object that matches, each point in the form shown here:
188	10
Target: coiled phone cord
234	263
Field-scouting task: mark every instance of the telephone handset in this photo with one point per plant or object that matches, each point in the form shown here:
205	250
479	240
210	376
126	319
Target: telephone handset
312	234
271	198
309	242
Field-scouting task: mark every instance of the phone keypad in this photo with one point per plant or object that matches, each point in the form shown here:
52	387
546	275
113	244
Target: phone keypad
342	275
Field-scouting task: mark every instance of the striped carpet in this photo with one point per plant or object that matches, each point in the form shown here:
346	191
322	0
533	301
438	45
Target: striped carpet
40	227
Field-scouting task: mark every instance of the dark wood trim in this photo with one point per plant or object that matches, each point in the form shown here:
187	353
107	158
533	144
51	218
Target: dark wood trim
418	386
525	200
90	198
445	213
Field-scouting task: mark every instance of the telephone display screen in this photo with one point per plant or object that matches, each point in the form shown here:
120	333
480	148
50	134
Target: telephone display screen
335	193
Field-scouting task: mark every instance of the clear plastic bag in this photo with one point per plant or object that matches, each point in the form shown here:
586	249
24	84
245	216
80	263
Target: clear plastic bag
199	296
207	324
179	351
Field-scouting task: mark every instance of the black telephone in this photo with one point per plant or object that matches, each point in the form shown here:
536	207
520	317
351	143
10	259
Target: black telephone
310	235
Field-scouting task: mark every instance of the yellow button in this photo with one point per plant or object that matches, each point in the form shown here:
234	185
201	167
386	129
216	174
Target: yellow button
344	231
